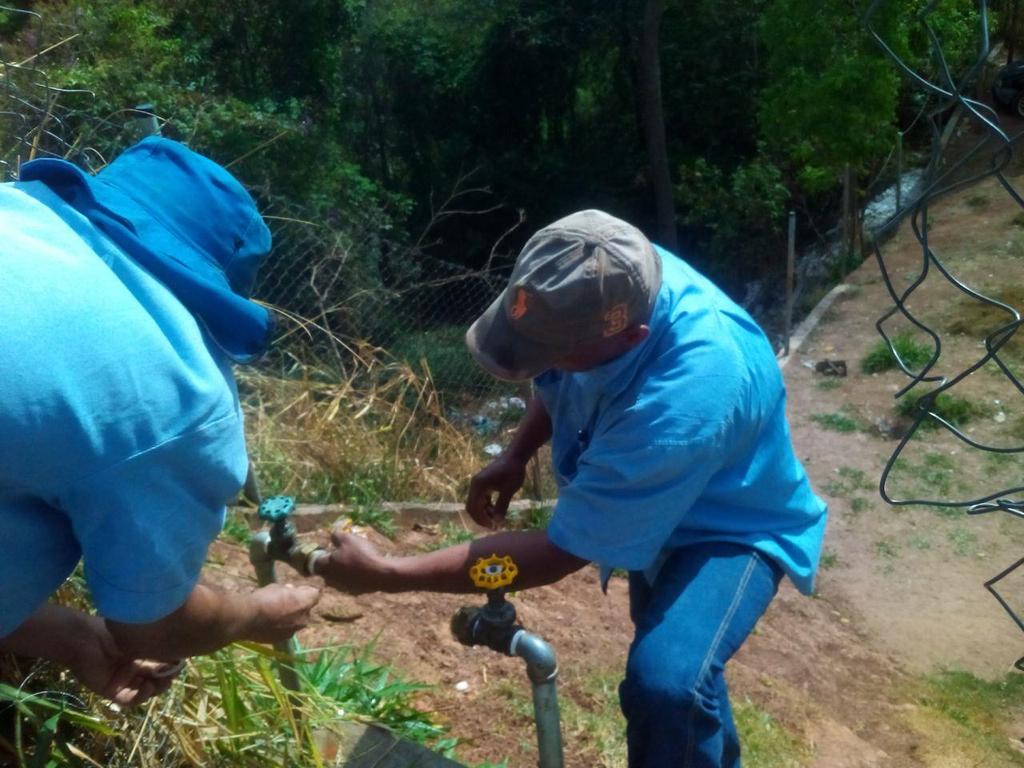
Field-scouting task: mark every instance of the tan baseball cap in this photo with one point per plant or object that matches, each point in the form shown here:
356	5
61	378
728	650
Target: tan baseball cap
585	277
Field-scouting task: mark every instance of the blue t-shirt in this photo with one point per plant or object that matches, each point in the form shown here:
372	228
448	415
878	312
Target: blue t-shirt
122	433
681	440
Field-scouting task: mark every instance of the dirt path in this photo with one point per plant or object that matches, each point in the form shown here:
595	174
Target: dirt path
913	576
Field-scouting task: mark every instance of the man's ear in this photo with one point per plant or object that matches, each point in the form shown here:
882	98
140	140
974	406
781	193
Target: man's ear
635	334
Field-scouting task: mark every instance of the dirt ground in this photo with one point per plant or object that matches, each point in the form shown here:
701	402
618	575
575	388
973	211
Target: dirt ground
901	590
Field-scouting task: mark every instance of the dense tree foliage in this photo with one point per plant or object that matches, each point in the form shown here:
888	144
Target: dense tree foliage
377	109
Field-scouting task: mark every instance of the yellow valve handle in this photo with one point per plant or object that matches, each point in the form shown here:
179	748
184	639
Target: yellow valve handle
493	572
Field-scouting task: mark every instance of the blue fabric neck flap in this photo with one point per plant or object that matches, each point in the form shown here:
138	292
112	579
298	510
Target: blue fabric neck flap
188	222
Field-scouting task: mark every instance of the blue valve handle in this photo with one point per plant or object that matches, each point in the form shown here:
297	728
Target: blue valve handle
276	508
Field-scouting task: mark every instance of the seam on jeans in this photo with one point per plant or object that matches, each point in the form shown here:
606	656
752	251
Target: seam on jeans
706	663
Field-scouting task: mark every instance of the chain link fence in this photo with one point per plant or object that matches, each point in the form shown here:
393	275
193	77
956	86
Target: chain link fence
334	288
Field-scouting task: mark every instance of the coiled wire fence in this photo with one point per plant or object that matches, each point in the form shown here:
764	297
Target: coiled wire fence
989	318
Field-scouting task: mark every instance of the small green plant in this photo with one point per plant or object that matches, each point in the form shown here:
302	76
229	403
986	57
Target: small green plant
836	422
829	382
450	535
531	518
236	528
962	540
977	200
859	504
920	543
373	516
888	551
365	492
880	357
856	478
829	560
849	480
954	409
887	548
1018	220
766	743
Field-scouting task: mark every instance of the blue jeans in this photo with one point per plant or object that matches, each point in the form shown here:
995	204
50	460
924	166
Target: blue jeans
703	605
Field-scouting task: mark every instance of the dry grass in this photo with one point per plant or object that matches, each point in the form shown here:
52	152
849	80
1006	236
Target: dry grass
374	430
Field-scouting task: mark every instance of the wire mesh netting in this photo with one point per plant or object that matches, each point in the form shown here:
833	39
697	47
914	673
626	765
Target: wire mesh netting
957	301
332	284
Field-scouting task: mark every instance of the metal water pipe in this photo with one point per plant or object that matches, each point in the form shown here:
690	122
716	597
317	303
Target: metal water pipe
494	625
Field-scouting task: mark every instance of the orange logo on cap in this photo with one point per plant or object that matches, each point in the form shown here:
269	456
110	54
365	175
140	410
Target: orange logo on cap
616	319
519	308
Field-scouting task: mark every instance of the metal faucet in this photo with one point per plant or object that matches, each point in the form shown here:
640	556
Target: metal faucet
494	625
280	543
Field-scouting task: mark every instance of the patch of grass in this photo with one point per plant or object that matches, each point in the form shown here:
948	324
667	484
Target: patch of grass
978	319
849	480
939	461
920	543
836	422
226	708
451	534
236	528
829	560
859	504
966	720
977	201
371	516
954	409
1018	220
855	478
595	716
531	518
829	382
931	478
1002	460
913	353
887	548
962	540
766	743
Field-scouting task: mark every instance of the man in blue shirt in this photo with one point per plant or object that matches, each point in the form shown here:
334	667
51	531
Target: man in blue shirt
665	410
123	302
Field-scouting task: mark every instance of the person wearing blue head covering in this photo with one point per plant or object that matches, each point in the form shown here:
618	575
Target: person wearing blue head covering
124	299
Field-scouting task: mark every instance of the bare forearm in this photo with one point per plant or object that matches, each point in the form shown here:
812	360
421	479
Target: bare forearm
50	633
534	430
447	570
207	621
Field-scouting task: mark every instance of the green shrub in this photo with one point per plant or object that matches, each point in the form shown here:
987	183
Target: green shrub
836	422
952	408
913	353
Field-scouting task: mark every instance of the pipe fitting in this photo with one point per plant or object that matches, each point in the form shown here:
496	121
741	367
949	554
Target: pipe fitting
541	664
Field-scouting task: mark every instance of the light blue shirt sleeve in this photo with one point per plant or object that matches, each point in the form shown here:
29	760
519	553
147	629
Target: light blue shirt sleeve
144	524
628	496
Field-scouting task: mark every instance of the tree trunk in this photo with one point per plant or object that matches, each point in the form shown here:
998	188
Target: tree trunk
1011	33
654	123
